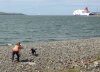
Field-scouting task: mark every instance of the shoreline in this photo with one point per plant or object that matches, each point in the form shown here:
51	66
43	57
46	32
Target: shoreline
50	40
55	56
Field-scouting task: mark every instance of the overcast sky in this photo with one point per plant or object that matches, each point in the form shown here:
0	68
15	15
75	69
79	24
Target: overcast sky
48	7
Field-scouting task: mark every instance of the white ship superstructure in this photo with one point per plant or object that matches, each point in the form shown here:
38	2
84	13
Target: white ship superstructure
82	12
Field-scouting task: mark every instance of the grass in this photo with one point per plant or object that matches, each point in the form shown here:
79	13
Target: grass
74	70
64	70
98	57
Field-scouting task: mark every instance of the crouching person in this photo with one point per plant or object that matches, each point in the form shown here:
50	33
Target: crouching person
16	51
33	51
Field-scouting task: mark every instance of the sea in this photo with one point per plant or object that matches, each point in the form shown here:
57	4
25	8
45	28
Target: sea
35	28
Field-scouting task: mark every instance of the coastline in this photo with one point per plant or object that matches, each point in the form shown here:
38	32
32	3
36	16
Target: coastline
55	56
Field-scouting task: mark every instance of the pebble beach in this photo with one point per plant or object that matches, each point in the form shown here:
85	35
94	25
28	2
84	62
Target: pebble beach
81	55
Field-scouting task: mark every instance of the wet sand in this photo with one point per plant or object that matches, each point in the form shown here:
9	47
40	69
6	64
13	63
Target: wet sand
53	56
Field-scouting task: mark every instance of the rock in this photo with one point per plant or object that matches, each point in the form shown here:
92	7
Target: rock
29	63
95	64
32	63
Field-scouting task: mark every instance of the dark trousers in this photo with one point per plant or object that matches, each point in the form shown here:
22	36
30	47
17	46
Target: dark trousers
17	54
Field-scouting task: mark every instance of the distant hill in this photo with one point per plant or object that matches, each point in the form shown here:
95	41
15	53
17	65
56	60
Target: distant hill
4	13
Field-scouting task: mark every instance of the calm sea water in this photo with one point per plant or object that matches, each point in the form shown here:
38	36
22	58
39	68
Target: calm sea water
47	28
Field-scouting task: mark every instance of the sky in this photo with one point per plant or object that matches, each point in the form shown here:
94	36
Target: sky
48	7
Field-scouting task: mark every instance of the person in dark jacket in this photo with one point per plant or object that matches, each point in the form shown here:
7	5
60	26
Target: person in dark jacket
33	51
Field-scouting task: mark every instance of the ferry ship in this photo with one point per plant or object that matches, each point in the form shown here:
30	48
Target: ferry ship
82	12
